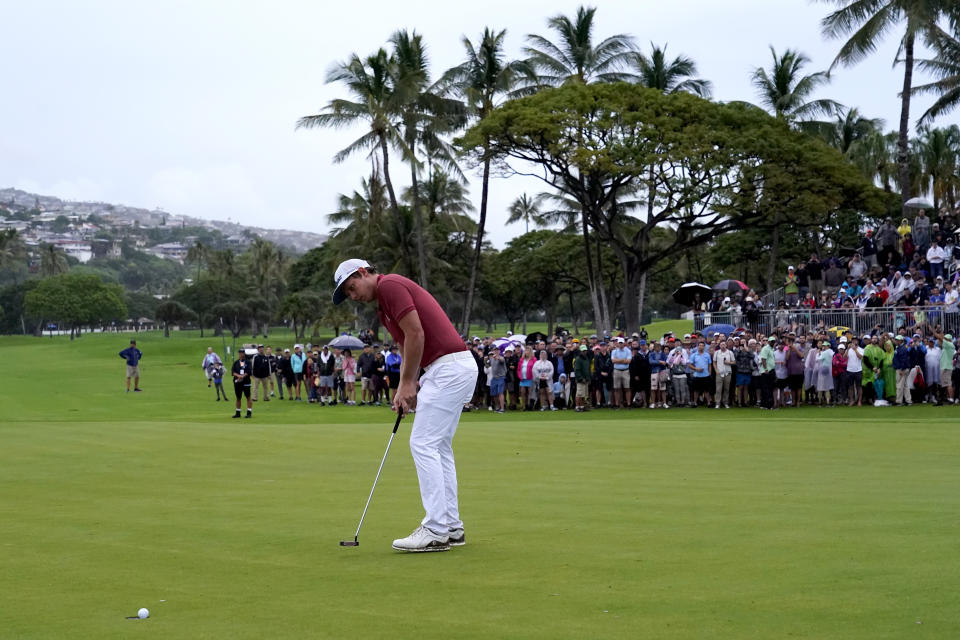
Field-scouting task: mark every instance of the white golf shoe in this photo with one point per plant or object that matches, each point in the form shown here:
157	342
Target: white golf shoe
457	538
422	539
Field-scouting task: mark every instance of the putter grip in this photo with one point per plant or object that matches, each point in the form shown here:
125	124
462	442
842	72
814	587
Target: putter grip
399	418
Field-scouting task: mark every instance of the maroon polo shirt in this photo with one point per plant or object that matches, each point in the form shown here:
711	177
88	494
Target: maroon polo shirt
396	297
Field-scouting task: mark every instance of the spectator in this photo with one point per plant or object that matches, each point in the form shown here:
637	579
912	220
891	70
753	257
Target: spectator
241	382
543	376
285	371
210	360
581	371
931	370
297	360
815	272
217	374
261	374
723	362
699	366
621	357
525	376
921	231
936	257
904	228
947	352
854	373
803	279
901	365
640	375
132	355
602	370
659	375
743	357
366	365
791	287
274	372
833	277
768	372
349	370
868	249
512	358
326	368
856	268
793	354
825	373
498	376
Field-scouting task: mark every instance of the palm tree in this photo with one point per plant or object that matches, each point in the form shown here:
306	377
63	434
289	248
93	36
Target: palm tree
866	22
527	209
363	209
12	249
574	58
53	261
425	116
938	152
786	92
945	66
849	129
673	77
482	80
197	254
376	104
875	154
443	195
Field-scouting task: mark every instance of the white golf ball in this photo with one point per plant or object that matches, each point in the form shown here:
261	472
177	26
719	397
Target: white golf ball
143	613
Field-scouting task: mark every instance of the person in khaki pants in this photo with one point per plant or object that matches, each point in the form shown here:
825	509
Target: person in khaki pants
723	360
261	374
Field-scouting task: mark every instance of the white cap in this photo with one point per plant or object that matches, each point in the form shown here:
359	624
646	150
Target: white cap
346	269
727	299
843	339
841	346
620	340
790	268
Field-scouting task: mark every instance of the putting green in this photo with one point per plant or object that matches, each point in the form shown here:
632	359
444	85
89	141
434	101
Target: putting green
809	523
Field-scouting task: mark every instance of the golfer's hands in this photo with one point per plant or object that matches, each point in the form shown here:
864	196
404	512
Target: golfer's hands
405	397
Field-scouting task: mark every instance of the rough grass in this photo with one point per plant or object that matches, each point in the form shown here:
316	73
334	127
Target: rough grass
663	524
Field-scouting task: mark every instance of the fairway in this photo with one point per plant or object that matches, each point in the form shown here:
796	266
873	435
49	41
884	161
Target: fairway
810	523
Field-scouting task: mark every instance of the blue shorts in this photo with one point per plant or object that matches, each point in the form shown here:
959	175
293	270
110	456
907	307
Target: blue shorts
526	383
743	379
496	386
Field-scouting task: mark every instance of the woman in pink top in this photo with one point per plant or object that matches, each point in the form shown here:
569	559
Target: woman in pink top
525	376
349	374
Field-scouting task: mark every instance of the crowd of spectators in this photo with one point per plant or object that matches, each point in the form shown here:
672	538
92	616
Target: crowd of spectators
745	369
908	265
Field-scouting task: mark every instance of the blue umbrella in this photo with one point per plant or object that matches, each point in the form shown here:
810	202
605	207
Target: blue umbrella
346	342
725	329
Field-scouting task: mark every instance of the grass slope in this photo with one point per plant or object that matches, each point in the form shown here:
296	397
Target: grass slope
663	524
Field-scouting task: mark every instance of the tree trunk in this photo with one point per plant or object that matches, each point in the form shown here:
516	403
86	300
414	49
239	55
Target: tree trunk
605	319
398	219
524	323
549	314
641	294
774	252
903	141
591	276
468	306
166	329
418	225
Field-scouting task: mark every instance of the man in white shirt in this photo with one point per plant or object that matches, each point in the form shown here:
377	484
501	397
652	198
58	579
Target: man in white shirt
723	360
935	256
855	372
950	298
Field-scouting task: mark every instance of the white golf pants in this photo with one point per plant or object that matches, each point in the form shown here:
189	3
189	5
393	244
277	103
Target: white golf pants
444	388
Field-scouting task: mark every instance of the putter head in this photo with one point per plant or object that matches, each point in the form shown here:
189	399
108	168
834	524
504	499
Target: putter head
349	543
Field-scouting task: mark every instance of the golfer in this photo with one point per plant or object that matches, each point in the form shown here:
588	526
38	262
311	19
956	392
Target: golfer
427	340
132	355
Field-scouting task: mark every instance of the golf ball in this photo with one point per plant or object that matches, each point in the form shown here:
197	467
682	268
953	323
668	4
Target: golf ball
143	613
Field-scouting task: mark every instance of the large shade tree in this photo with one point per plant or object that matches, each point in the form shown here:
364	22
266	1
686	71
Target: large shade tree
717	168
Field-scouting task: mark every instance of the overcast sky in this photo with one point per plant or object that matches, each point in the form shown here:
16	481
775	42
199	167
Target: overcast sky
190	106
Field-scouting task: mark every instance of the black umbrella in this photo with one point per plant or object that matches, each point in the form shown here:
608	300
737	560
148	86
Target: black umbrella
731	286
688	290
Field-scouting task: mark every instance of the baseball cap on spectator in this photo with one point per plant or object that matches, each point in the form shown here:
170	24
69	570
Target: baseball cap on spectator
825	343
769	338
947	336
620	341
726	299
899	337
596	347
509	348
843	339
593	336
286	350
686	336
576	341
841	346
583	347
645	342
790	268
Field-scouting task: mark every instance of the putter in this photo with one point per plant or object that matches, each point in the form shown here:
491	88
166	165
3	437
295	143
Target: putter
356	538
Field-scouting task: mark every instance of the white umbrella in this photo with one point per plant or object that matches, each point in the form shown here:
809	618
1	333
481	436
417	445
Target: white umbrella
918	203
